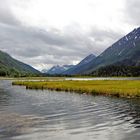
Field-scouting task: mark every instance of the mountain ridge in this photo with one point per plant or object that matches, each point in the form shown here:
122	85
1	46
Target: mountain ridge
126	48
11	66
58	69
80	65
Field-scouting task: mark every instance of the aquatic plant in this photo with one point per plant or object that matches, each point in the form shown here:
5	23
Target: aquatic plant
121	88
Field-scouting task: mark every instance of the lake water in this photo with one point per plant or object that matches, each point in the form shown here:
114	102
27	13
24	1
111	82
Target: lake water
48	115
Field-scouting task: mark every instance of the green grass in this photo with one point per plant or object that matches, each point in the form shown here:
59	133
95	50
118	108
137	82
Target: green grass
103	87
32	78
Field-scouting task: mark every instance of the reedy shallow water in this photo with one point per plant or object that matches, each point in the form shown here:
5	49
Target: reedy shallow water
49	115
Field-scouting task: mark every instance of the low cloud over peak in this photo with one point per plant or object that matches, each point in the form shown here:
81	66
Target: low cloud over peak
44	45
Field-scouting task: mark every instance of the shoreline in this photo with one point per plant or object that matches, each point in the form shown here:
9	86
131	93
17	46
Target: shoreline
127	89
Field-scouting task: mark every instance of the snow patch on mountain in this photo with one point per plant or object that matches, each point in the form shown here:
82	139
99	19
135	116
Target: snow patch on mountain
58	69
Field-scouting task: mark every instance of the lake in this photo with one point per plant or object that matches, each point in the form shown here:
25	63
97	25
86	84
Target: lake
49	115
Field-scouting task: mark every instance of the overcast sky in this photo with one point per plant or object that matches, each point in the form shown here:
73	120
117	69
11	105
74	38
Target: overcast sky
43	33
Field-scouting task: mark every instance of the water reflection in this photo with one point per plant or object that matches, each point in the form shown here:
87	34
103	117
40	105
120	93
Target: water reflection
32	115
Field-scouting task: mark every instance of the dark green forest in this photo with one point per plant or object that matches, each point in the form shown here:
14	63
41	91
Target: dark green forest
13	72
121	70
11	67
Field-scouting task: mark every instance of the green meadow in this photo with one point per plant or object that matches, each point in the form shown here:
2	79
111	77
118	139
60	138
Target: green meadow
121	88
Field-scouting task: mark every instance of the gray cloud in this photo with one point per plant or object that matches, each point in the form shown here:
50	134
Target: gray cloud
6	14
64	48
39	47
133	11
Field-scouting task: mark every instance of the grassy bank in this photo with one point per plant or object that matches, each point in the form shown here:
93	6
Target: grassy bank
104	87
32	78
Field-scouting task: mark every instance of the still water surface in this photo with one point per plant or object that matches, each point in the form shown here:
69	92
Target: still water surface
46	115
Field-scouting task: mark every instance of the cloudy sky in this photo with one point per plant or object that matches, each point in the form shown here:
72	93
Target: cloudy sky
43	33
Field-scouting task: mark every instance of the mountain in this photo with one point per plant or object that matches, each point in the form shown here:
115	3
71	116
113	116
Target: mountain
81	66
44	70
12	67
125	51
86	60
58	69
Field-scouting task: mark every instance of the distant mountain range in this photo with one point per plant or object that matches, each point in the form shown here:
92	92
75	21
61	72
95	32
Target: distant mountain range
121	58
81	65
125	51
57	69
12	67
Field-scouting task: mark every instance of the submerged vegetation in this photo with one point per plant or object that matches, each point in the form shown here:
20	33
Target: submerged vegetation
104	87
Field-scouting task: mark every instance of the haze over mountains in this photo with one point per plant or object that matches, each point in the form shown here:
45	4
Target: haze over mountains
63	69
81	66
33	32
125	51
57	69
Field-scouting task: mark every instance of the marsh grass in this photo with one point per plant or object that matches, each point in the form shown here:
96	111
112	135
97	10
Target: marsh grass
120	88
